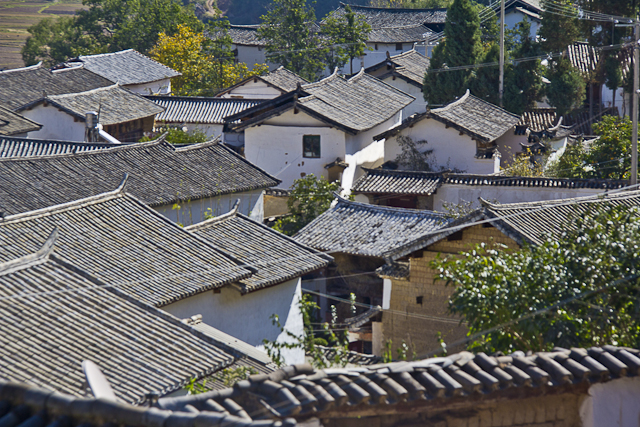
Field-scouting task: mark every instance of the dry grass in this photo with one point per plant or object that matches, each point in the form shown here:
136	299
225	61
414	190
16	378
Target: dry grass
18	15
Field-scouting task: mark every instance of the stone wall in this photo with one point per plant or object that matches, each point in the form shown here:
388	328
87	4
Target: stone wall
418	306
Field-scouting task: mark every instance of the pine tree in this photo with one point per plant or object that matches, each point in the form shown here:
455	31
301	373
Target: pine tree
523	81
486	81
348	34
558	31
292	40
567	89
462	47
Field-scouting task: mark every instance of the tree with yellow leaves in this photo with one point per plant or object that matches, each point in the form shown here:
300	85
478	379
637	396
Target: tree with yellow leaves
205	60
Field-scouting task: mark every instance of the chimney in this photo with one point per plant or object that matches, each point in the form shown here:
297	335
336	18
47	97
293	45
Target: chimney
91	121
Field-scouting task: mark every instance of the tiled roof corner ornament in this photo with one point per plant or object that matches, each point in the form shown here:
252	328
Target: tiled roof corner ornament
235	207
97	382
123	183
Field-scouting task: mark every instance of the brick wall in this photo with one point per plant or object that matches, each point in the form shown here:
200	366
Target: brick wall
543	411
421	333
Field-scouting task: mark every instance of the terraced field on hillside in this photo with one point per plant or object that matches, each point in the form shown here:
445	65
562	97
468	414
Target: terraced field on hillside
18	15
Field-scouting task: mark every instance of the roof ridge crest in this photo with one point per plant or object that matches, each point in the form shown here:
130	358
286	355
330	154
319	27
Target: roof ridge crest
86	92
30	67
38	257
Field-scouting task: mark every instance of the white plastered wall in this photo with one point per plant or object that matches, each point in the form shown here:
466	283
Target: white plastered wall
450	149
56	124
254	90
248	317
252	55
454	193
160	87
612	404
417	106
276	146
374	55
193	212
514	17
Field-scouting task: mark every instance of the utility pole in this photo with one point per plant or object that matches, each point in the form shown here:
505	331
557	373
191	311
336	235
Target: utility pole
501	88
636	76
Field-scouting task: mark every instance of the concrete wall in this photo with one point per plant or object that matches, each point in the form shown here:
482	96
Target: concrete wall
252	55
613	404
514	17
420	334
623	100
247	317
160	87
193	212
453	193
56	124
276	146
254	89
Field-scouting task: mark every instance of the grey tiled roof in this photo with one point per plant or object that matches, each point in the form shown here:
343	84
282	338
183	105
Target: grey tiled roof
12	123
127	67
398	182
27	147
284	79
407	387
368	230
192	109
579	120
55	315
160	174
399	270
353	358
353	105
113	103
476	117
583	57
378	17
404	34
23	86
276	257
411	65
124	243
27	405
531	222
358	103
246	35
382	181
473	116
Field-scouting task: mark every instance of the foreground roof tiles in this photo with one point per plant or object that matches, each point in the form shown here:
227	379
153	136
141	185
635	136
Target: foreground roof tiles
301	392
27	147
368	230
53	316
12	123
29	405
201	110
125	244
113	104
159	173
24	86
127	67
276	257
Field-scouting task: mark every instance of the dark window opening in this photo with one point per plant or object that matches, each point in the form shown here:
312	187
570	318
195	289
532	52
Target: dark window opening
455	236
419	300
398	46
311	146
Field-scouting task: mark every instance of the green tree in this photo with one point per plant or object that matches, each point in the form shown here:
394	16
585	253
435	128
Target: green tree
53	41
206	61
107	26
566	91
578	291
461	47
572	163
523	80
486	82
178	136
558	30
348	35
292	39
613	73
310	196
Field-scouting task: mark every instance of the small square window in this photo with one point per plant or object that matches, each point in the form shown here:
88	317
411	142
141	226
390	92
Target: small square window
398	46
311	146
419	300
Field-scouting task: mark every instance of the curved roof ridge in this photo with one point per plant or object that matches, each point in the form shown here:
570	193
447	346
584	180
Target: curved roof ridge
408	172
329	78
158	141
615	194
107	54
357	75
86	92
419	212
355	6
30	67
453	103
196	146
39	256
216	219
51	210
